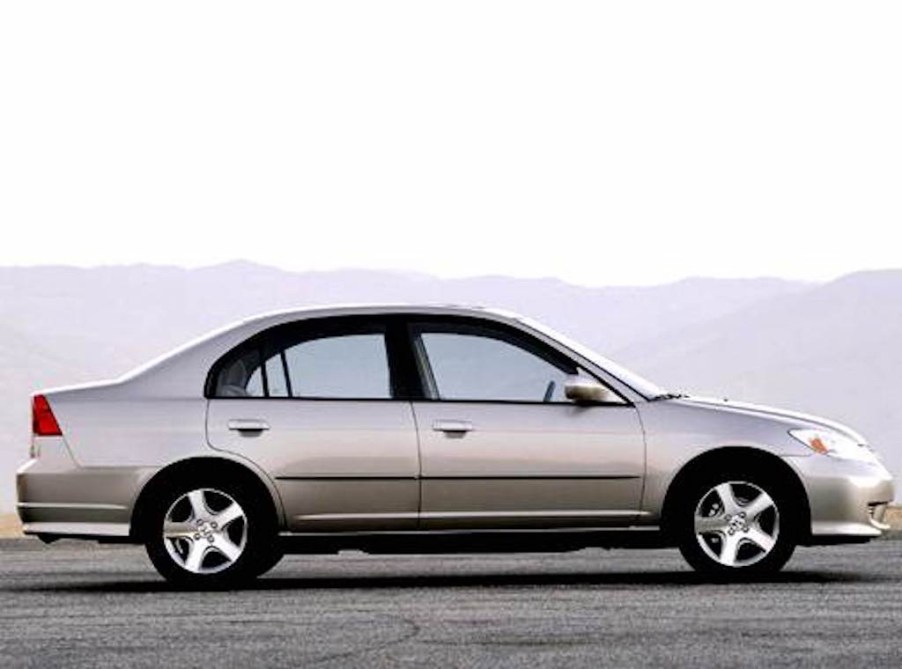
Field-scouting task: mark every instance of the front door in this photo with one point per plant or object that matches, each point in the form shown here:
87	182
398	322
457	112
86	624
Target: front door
501	446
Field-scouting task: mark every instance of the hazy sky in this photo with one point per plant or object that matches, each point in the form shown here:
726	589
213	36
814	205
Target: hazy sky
604	143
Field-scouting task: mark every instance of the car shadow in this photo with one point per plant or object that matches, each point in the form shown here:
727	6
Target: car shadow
483	580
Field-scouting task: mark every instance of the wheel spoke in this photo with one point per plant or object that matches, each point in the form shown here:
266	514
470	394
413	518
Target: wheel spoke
759	505
709	524
725	492
760	538
227	515
198	504
729	550
225	546
173	530
195	557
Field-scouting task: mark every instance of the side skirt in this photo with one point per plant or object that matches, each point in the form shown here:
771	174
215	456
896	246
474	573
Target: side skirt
472	541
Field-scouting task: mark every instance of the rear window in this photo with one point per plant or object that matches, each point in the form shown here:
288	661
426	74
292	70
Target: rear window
338	363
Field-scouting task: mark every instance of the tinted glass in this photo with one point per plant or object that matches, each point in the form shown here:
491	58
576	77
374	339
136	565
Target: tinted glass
347	366
475	367
241	377
275	377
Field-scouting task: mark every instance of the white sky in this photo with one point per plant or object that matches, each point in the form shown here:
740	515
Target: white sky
603	143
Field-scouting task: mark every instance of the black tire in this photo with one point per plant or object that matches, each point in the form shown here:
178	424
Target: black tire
756	538
270	560
253	534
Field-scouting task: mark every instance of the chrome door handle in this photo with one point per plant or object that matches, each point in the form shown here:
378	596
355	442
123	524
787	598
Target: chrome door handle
452	426
248	425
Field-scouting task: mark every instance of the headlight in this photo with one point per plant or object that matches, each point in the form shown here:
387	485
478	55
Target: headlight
835	444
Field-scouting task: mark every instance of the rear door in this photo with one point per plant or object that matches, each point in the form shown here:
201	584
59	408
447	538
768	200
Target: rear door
314	404
500	444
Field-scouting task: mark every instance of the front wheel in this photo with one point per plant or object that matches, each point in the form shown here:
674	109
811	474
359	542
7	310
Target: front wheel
209	535
735	525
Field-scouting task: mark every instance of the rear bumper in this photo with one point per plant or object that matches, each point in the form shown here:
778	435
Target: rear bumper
57	498
847	499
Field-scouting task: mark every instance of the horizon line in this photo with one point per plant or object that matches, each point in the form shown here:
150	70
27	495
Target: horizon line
418	274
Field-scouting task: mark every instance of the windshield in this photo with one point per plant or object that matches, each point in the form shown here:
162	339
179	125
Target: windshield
641	385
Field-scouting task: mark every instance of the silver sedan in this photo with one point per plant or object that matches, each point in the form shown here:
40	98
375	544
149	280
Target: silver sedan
429	429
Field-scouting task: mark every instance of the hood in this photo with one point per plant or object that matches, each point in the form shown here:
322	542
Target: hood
793	419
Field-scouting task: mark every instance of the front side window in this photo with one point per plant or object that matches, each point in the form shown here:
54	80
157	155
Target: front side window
482	367
320	366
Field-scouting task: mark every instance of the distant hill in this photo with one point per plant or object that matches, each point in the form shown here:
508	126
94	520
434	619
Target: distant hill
827	348
832	349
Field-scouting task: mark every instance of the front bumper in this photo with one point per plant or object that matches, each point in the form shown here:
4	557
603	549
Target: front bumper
846	498
58	498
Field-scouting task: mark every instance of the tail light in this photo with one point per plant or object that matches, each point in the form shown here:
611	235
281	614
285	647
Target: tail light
43	422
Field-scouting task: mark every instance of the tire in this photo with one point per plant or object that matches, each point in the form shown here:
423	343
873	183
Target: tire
269	561
210	533
737	522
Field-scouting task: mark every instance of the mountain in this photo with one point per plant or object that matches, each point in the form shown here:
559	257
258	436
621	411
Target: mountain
832	349
819	347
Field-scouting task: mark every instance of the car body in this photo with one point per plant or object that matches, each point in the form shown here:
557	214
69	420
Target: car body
416	428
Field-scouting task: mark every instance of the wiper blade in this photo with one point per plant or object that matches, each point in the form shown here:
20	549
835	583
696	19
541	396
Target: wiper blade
668	396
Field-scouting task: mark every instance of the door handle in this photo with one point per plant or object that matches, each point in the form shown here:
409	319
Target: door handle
452	426
248	425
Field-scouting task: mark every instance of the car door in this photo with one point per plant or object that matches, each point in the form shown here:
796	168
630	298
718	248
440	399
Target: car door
501	446
314	405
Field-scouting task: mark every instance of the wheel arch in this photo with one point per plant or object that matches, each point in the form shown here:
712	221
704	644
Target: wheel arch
201	466
729	457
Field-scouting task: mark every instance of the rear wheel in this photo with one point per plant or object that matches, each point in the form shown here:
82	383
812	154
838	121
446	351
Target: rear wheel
735	524
209	534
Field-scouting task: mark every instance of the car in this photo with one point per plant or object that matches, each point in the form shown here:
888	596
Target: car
399	429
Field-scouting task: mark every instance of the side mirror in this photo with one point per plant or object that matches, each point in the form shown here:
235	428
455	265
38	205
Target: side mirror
589	391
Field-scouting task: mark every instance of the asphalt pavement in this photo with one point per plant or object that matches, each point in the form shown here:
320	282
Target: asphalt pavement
77	604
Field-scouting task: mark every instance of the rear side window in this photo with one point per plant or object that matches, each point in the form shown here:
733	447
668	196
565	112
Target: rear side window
349	366
241	376
300	363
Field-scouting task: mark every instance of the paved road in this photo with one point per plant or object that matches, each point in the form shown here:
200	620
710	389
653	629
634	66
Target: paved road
79	605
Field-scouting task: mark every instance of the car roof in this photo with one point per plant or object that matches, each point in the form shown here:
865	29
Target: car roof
325	311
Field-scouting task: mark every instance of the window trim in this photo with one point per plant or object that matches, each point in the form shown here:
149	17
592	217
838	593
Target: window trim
284	360
405	380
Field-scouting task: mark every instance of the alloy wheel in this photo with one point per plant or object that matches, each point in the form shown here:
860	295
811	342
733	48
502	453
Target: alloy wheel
737	524
205	531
